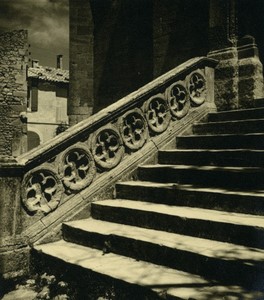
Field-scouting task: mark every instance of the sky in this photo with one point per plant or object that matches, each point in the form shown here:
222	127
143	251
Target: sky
47	22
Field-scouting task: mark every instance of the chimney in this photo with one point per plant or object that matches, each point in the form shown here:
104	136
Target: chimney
59	61
35	63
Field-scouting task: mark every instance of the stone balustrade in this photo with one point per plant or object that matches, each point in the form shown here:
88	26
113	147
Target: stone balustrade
57	181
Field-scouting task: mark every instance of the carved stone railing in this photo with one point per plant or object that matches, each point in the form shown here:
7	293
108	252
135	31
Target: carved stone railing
59	179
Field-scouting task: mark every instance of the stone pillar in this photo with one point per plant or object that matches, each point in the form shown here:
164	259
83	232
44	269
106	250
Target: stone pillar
250	72
13	92
13	250
223	42
81	92
111	50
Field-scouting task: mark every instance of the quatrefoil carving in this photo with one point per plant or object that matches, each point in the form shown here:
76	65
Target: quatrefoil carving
197	88
178	100
41	190
77	167
133	129
157	113
107	148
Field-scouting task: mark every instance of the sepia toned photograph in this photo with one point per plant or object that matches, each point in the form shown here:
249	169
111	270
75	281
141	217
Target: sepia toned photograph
131	150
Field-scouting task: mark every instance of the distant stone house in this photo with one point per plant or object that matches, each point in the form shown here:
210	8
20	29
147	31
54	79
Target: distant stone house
46	102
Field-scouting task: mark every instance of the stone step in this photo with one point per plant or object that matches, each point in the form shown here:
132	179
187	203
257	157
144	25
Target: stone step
231	127
21	293
219	157
193	196
223	141
210	259
258	102
240	114
242	229
83	263
228	177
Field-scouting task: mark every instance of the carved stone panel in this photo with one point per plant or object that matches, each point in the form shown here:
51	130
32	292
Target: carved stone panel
178	100
41	190
133	129
106	147
157	113
197	88
77	167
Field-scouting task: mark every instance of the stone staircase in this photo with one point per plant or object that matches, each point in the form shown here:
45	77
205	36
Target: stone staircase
190	226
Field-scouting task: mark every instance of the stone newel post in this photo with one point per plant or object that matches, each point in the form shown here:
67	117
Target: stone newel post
238	76
223	40
250	69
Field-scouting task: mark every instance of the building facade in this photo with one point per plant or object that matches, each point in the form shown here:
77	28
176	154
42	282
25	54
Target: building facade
48	90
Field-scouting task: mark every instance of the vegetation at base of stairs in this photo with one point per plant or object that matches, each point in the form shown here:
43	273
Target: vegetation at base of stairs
49	287
43	286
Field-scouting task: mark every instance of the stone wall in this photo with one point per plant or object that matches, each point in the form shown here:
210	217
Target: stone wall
118	46
123	51
180	32
13	92
81	94
110	52
128	43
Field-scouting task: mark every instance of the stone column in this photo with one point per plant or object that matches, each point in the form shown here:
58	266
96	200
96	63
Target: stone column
81	94
223	47
250	85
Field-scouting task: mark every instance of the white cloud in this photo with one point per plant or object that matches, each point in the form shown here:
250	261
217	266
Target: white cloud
47	22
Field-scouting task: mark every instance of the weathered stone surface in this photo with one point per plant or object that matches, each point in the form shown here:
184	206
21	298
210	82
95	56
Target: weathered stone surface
13	61
136	42
250	81
238	58
10	206
20	94
222	24
14	262
174	40
81	60
12	256
226	79
238	81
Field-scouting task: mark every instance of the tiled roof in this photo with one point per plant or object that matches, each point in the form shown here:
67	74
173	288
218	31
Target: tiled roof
49	74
